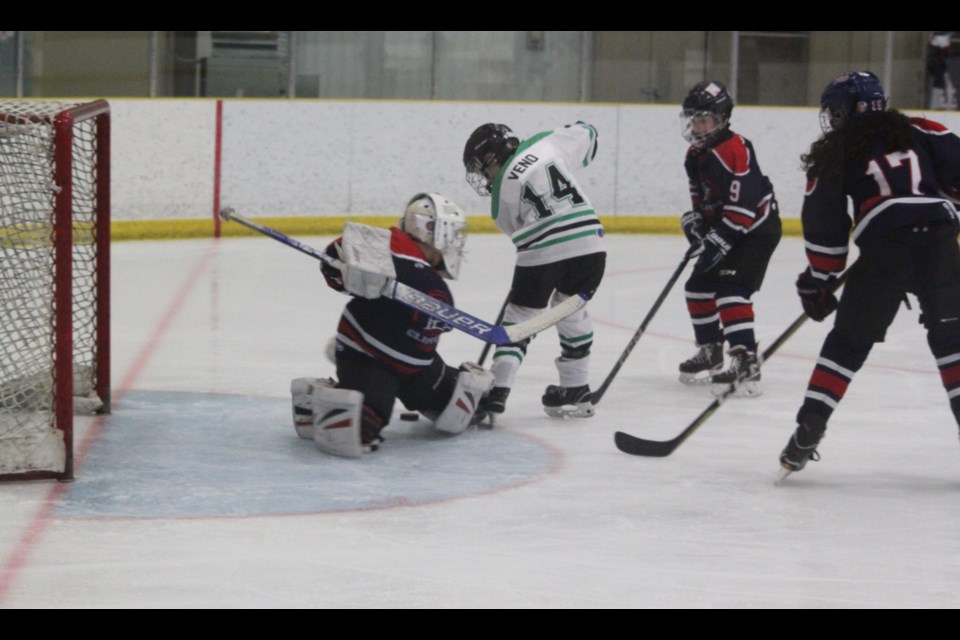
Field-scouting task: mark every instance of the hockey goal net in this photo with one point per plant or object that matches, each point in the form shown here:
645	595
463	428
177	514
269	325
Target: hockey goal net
54	280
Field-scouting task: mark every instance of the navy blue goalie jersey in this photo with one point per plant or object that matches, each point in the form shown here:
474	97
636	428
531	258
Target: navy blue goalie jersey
402	338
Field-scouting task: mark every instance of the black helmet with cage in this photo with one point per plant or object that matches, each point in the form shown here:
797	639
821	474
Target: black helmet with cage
709	99
489	143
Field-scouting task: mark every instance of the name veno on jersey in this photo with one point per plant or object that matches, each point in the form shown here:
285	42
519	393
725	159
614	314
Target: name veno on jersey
525	163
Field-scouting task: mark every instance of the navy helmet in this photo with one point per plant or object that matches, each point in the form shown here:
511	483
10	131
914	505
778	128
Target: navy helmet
853	94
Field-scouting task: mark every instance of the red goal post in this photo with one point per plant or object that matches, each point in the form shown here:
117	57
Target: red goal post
54	280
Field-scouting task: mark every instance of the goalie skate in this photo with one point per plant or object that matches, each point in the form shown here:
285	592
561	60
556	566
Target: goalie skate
568	402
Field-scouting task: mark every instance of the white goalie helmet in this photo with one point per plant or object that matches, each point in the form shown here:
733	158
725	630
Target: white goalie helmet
439	222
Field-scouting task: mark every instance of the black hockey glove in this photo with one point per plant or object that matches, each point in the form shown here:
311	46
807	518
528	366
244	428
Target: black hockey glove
711	251
330	273
816	296
694	227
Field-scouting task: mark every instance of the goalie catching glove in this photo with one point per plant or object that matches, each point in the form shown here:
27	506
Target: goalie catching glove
816	296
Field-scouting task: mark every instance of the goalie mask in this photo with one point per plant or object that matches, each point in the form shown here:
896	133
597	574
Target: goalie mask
850	95
438	222
706	113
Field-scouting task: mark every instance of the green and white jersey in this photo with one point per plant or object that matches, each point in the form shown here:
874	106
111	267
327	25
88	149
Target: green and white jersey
538	202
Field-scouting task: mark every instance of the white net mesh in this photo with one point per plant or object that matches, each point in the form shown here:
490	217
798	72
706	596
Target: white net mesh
30	437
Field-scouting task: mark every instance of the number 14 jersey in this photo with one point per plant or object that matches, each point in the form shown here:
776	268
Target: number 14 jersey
538	202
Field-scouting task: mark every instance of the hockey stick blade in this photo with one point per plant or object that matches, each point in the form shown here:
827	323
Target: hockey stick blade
658	449
637	446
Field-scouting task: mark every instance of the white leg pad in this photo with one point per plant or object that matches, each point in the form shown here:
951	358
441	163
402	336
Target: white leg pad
302	390
336	421
473	382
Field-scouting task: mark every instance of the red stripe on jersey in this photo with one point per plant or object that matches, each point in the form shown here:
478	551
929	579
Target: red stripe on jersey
928	126
829	381
734	155
403	244
739	219
868	204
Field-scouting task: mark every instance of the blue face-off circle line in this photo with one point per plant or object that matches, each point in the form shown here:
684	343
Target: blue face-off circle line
193	455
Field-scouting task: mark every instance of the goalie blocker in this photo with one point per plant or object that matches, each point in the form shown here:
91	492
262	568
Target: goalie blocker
334	419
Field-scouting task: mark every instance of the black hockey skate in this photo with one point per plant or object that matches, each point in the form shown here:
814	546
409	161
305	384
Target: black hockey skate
495	401
707	361
574	402
744	372
803	443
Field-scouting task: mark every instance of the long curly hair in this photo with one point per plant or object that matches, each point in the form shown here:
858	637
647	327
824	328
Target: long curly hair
834	151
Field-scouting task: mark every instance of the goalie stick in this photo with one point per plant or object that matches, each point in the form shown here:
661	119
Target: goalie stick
637	446
460	320
643	327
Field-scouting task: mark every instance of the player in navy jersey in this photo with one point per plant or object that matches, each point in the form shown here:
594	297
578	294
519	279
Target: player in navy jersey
539	203
899	174
386	350
733	228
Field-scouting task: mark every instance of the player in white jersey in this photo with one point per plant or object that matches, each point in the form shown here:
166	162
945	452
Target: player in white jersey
538	203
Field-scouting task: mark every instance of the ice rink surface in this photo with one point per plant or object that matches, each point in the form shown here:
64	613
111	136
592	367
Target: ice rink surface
196	492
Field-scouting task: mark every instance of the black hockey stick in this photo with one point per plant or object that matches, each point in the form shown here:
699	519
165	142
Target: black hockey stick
662	448
643	327
486	347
